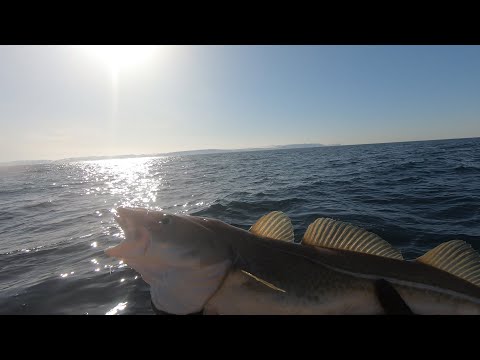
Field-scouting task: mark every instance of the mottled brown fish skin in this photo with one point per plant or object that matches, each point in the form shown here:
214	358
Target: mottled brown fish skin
328	281
227	270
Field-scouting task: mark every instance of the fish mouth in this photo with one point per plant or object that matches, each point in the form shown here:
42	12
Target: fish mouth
123	217
128	218
137	237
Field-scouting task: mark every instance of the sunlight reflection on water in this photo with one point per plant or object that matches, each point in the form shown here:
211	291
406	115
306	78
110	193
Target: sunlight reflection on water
414	195
133	179
120	307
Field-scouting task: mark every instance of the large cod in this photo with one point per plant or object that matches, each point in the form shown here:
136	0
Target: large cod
195	264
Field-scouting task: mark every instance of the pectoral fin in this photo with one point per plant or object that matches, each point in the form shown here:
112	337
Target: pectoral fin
263	282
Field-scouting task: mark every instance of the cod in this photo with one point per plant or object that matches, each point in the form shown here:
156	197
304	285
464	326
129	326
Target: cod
195	264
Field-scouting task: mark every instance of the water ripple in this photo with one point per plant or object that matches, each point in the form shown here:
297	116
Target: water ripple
56	219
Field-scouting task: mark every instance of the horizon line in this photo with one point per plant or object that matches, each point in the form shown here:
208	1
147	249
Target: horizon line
259	148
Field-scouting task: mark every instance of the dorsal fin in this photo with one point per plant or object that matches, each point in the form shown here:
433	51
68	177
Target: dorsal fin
455	257
330	233
274	225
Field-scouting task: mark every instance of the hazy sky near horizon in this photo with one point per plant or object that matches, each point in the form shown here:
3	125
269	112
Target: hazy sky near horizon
67	101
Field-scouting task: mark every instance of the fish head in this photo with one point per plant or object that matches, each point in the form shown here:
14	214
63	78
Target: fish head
183	258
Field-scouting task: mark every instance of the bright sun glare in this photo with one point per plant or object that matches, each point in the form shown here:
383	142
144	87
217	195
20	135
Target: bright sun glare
117	57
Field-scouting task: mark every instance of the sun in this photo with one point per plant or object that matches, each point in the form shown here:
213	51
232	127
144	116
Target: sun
117	57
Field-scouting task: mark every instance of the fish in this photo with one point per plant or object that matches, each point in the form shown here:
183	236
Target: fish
196	264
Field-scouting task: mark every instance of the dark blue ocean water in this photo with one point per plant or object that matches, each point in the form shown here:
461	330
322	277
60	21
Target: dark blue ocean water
56	219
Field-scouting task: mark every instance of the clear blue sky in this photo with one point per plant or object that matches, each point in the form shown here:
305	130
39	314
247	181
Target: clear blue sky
66	101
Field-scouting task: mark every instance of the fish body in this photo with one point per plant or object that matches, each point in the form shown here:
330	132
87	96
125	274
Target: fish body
193	264
313	280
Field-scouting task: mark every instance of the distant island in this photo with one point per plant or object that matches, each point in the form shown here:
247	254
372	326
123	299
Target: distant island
217	151
174	153
211	151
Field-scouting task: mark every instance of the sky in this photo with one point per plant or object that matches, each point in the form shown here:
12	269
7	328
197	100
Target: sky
72	101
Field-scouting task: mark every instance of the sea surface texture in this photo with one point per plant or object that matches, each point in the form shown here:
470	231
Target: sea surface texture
56	218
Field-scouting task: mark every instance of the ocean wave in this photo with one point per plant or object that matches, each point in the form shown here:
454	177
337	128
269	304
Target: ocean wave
52	237
464	169
40	205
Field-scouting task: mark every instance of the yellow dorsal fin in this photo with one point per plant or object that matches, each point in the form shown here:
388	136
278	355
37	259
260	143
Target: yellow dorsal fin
455	257
330	233
274	225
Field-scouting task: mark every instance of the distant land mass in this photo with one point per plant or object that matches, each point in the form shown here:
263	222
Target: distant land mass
217	151
208	151
297	146
25	162
186	152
